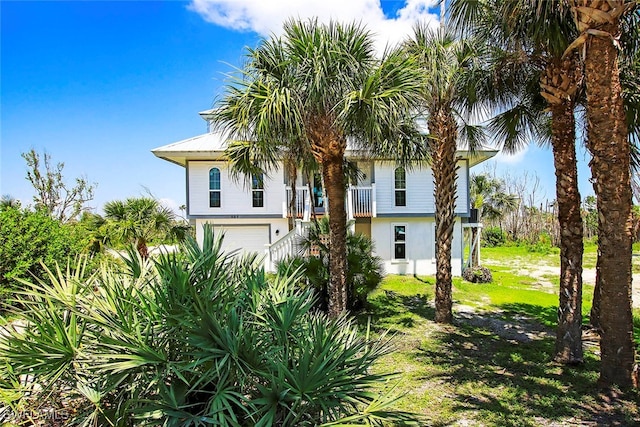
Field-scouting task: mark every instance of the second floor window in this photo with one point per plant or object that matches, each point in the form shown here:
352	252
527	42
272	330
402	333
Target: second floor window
400	184
257	190
214	188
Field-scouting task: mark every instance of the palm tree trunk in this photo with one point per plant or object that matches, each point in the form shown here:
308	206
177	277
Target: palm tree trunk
609	146
328	147
143	250
333	175
594	315
443	128
292	171
569	333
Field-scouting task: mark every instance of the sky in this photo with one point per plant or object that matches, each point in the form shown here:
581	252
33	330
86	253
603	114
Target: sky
99	84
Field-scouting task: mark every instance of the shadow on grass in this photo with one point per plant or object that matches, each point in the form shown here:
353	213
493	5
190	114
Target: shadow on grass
498	368
515	383
546	315
391	310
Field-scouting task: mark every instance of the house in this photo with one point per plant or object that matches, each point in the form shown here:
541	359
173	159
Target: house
393	205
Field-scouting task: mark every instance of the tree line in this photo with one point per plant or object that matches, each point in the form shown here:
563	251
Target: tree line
58	227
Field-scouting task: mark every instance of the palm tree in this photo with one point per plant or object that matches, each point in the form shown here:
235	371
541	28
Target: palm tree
139	220
447	63
490	198
7	201
317	87
630	80
531	77
599	24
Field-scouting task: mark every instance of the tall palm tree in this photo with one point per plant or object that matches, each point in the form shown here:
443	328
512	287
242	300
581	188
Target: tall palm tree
599	24
139	220
531	77
447	63
629	65
320	85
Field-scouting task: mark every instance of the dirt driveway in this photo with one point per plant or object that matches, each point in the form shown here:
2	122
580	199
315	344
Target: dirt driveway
547	275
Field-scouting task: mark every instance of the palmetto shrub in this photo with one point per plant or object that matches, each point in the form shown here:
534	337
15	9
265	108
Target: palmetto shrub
364	269
493	236
193	338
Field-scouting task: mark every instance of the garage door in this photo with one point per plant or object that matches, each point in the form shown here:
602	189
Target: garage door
249	238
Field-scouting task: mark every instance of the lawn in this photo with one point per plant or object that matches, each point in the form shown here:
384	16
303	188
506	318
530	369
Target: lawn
493	366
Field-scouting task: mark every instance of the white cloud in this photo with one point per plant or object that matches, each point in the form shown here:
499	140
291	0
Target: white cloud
512	159
266	17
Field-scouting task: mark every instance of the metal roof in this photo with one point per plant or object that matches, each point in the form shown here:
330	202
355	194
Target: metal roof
212	145
206	146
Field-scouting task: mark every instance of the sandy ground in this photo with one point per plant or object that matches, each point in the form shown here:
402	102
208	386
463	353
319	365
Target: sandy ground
543	275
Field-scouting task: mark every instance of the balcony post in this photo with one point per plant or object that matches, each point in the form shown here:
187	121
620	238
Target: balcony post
349	203
374	208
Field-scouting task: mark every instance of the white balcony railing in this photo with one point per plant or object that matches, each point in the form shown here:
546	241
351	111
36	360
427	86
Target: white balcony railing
301	205
361	202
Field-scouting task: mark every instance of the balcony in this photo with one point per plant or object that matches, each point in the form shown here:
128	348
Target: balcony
301	206
360	203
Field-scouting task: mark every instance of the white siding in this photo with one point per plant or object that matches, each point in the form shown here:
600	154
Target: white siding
462	190
420	245
235	195
420	199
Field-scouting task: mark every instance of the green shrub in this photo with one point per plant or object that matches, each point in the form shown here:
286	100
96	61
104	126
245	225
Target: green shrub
191	339
493	236
364	270
30	238
542	245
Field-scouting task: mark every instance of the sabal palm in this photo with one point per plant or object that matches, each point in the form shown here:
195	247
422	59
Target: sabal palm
489	196
317	87
448	95
139	220
492	201
529	40
599	24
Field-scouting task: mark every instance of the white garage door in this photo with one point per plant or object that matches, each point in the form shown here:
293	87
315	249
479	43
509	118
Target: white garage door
249	238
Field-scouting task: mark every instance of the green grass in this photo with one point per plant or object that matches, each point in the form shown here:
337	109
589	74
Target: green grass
472	372
508	254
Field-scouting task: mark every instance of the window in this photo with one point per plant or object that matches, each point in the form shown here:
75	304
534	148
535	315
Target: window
257	190
399	242
214	188
400	184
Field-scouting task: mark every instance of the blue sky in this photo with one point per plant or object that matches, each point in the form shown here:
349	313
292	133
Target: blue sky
98	84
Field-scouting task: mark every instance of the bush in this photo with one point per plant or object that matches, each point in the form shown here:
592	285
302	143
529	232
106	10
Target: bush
542	245
196	338
28	239
364	270
477	275
493	236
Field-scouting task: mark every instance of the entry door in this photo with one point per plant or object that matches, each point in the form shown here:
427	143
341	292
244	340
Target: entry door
318	196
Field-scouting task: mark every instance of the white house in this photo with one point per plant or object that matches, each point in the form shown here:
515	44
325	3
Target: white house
392	205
